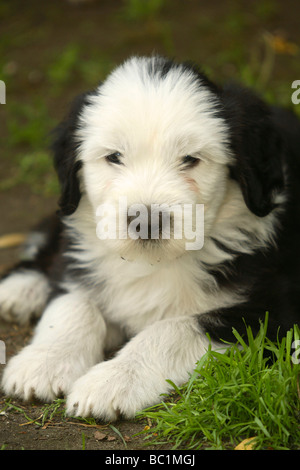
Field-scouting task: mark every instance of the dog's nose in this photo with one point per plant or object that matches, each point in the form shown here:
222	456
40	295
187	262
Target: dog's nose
150	223
155	225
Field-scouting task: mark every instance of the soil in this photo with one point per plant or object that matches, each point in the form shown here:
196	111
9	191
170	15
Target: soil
33	34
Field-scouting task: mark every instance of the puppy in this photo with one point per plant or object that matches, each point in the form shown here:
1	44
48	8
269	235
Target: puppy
154	149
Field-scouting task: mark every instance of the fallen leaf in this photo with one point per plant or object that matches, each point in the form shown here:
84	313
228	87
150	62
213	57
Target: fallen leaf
246	444
111	438
11	240
100	436
282	46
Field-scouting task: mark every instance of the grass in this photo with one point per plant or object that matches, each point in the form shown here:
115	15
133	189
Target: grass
233	396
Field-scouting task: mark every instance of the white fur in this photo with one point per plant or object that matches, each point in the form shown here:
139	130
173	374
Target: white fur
23	294
150	294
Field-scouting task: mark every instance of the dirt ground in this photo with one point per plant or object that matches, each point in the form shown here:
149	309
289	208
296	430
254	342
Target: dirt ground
33	34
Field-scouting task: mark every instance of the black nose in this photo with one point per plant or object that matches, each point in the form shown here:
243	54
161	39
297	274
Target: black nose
150	224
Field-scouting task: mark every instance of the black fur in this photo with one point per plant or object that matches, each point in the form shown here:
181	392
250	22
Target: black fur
271	277
257	146
65	148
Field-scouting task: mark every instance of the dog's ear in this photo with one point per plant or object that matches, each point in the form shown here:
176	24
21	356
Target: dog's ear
257	148
64	148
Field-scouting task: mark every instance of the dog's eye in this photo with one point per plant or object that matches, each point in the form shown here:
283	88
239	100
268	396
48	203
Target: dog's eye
190	161
114	158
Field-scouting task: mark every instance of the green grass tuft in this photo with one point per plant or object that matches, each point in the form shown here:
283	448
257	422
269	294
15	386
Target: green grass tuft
236	395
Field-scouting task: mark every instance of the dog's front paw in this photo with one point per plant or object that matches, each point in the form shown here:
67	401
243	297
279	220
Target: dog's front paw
40	372
27	375
115	388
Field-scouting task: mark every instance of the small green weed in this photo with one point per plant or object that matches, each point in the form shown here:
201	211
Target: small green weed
83	440
54	409
9	406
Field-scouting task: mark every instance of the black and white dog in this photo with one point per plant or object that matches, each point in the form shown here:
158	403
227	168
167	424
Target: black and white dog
156	134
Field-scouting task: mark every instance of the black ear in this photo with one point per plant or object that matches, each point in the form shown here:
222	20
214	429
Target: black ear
65	151
257	148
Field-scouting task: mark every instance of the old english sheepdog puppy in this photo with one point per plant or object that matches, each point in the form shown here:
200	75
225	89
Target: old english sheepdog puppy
179	220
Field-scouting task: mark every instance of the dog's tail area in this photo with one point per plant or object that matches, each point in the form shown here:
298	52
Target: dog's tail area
26	287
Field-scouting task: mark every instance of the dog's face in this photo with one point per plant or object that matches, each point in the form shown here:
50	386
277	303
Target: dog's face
154	134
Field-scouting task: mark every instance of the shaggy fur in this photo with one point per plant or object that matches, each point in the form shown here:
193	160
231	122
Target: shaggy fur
156	132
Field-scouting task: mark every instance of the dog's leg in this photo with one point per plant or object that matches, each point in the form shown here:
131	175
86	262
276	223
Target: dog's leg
25	288
23	295
136	377
68	340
